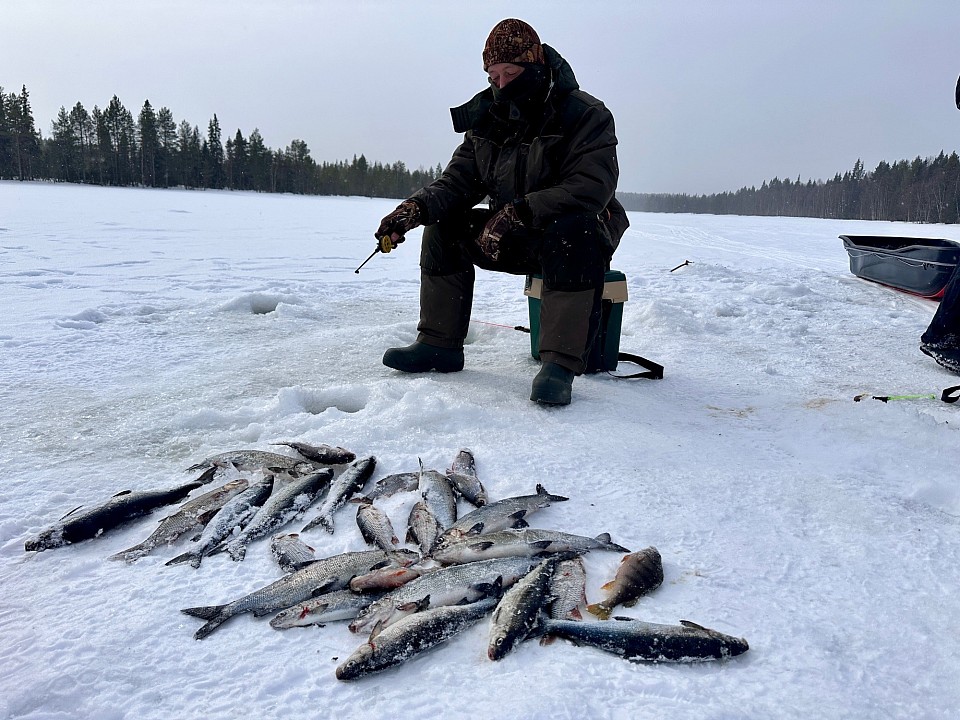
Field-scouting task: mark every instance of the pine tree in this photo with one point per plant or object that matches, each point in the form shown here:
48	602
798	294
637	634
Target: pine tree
258	161
6	135
63	156
167	150
83	132
214	155
26	140
149	144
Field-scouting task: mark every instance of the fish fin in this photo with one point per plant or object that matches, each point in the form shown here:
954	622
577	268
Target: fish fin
630	603
207	475
375	630
386	562
540	544
204	613
71	512
624	618
695	626
604	538
487	589
179	559
601	611
484	545
395	558
475	529
324	589
301	564
542	492
415	605
576	614
361	500
607	586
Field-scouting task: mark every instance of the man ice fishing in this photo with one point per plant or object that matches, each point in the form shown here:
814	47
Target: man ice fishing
544	153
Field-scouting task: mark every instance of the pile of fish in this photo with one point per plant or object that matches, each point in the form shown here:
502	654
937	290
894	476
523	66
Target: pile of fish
489	561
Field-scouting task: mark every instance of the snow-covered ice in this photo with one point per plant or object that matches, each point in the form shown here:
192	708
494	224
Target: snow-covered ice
144	330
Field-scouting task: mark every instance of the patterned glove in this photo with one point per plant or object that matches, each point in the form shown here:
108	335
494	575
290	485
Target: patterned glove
500	223
401	221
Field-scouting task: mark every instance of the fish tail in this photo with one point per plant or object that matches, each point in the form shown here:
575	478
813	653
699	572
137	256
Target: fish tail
236	551
547	495
600	610
209	627
129	555
191	557
206	612
312	524
608	544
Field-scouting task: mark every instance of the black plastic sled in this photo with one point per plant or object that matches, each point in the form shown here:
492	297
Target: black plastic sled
921	266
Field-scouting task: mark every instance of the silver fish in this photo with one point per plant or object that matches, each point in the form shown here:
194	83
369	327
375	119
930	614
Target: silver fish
437	493
526	542
637	640
290	552
510	512
84	523
463	477
191	516
287	501
412	636
322	454
235	514
423	528
519	608
255	460
447	586
568	590
342	489
375	526
392	484
329	607
320	576
639	573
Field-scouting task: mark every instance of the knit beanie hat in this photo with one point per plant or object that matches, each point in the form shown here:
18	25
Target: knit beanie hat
512	41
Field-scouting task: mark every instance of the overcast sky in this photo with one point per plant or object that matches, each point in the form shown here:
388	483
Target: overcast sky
708	95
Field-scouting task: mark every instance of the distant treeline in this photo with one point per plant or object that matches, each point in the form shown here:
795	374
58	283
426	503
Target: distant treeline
921	191
109	147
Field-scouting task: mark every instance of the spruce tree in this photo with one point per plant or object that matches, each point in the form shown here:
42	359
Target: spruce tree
214	155
167	149
149	144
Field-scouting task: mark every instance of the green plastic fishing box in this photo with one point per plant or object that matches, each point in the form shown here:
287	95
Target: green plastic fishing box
606	348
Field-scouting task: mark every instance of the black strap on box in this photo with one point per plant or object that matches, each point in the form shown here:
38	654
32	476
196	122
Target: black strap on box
653	371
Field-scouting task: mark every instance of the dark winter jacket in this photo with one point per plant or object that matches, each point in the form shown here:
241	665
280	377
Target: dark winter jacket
564	161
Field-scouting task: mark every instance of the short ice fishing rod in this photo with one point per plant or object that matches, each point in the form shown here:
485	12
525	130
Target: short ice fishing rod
949	395
384	245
